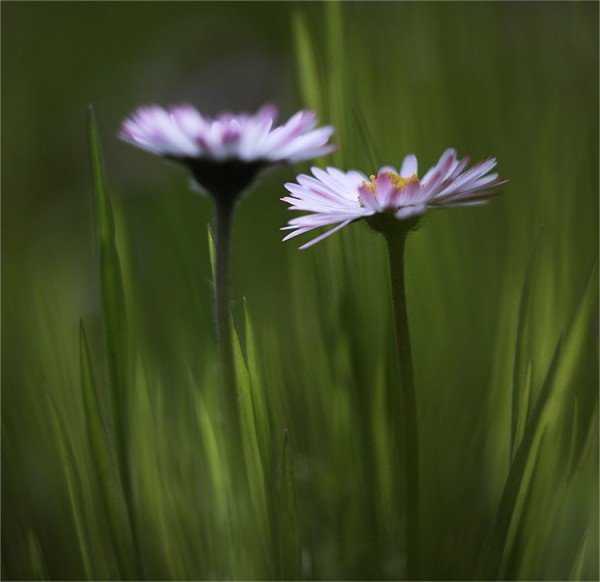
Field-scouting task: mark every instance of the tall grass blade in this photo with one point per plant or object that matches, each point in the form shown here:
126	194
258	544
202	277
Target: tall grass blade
521	372
581	331
289	529
579	561
517	482
368	139
104	463
310	85
114	323
211	249
36	557
255	470
74	486
113	300
556	385
336	72
259	405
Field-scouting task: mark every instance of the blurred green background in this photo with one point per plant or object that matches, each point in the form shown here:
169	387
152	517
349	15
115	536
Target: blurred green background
491	291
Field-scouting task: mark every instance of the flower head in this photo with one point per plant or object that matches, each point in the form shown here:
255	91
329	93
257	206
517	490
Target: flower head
226	153
337	198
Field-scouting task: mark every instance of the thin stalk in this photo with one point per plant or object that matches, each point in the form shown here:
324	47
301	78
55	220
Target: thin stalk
395	246
224	220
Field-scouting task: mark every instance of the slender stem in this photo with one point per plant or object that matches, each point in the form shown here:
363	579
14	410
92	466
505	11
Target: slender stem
224	220
395	245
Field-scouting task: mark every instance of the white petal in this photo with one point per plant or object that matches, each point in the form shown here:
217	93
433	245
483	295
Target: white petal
409	166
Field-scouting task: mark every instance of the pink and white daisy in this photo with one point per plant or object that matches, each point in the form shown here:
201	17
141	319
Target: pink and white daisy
337	198
226	152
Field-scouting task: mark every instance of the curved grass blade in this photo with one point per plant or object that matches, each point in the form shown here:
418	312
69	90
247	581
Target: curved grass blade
289	528
579	561
520	384
74	485
36	557
581	329
104	463
518	480
562	370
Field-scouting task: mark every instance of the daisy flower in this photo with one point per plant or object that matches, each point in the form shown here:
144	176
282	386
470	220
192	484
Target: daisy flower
337	198
226	153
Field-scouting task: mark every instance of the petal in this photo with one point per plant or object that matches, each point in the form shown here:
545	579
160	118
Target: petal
325	235
409	166
368	199
410	211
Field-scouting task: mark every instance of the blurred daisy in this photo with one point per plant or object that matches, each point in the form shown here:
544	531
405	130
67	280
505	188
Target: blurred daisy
226	153
338	198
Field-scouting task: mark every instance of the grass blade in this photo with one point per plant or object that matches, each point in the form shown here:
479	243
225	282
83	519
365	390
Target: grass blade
367	138
74	486
261	416
114	323
104	463
310	85
336	72
113	299
579	561
521	364
289	529
255	470
495	545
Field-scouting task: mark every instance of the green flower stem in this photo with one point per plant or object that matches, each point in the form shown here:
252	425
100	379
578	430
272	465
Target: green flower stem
395	245
224	220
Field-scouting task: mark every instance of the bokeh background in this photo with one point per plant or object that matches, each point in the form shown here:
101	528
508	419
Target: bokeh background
491	293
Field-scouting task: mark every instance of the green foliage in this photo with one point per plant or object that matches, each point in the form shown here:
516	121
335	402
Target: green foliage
129	470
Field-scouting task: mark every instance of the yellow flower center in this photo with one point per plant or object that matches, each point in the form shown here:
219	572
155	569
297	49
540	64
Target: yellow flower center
398	181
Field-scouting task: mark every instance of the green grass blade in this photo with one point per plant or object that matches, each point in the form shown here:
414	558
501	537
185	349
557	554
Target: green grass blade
289	529
562	370
336	73
521	364
113	300
310	85
368	140
211	249
579	561
255	470
104	463
74	486
495	545
36	557
114	323
581	331
261	416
